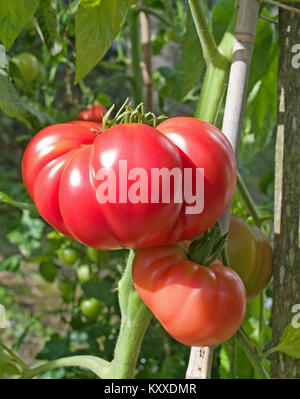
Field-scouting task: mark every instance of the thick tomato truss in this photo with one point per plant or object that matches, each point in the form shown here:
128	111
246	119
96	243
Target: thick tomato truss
250	255
198	305
93	114
60	171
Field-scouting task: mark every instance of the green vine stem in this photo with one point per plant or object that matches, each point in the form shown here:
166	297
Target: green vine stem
216	79
95	364
233	358
251	355
262	321
211	52
14	357
249	201
133	20
135	319
154	13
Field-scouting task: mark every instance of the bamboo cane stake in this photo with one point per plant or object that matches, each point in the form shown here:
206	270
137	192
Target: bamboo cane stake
146	64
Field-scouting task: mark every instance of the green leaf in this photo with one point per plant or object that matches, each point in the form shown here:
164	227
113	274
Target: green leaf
97	23
243	366
222	13
13	17
28	234
261	109
101	291
289	343
54	349
46	17
168	81
11	263
263	50
21	205
12	104
10	101
193	60
42	117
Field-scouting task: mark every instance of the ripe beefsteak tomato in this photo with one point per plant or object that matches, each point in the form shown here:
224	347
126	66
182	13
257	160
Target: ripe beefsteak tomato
93	114
60	171
197	305
250	255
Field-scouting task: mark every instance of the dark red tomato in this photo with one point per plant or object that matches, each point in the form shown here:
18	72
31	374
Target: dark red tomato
60	171
197	305
93	114
250	255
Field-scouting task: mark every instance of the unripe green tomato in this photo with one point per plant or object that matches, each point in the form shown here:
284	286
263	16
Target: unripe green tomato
84	273
66	288
48	270
90	308
28	66
92	254
68	255
250	255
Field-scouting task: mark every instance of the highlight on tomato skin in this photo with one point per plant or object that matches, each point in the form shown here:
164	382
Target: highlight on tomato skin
196	304
250	255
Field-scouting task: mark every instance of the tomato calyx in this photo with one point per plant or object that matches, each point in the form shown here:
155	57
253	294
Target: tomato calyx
128	114
208	248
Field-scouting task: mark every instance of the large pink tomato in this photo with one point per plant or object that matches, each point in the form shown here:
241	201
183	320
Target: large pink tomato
105	188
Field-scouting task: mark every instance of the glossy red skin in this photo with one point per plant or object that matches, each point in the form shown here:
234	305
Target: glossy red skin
89	124
197	305
204	146
93	114
61	161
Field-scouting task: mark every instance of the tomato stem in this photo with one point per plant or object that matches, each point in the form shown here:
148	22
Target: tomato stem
95	364
251	355
216	79
14	357
249	201
211	52
135	319
233	358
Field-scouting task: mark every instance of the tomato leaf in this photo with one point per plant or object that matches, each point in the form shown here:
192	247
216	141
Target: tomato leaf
222	13
21	205
101	291
46	17
97	23
13	18
242	365
193	60
12	104
261	109
289	343
11	264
